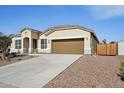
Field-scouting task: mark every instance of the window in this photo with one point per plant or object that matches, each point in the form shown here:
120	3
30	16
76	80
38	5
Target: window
43	43
17	44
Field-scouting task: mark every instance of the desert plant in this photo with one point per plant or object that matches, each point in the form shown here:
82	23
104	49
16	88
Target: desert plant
121	74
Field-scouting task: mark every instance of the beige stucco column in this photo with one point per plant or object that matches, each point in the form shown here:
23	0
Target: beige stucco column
87	45
30	45
22	45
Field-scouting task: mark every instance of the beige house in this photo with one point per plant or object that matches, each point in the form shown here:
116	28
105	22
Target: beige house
68	39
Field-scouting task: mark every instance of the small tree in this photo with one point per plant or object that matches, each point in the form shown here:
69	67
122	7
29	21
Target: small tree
113	42
5	41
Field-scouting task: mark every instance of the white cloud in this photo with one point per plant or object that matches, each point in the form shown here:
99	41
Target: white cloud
106	12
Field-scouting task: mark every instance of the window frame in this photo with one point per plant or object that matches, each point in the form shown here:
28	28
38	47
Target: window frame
44	43
18	44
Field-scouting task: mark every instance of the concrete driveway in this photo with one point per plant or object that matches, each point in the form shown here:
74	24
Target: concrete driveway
36	72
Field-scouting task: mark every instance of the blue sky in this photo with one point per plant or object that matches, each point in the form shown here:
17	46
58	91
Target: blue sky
106	21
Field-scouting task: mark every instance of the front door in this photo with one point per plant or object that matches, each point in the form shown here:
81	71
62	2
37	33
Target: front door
35	45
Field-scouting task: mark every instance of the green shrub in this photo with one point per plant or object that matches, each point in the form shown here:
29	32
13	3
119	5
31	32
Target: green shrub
122	64
122	70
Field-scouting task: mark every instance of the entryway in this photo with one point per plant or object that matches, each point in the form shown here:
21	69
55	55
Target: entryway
29	45
26	45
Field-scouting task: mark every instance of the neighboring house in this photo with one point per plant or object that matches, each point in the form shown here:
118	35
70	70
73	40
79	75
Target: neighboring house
68	39
121	47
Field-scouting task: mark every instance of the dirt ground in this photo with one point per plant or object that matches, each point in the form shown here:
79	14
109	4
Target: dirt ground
2	85
90	72
15	59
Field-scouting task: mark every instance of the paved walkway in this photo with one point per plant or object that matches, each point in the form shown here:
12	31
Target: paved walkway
35	72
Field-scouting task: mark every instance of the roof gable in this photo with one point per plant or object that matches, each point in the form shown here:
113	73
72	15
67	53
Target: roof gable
30	29
66	27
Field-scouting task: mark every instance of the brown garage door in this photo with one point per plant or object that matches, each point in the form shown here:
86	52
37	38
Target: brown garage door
68	46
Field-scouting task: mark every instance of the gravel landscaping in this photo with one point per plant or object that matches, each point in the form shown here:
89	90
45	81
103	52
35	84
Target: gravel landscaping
90	72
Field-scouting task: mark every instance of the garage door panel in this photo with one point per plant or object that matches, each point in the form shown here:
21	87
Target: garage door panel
71	46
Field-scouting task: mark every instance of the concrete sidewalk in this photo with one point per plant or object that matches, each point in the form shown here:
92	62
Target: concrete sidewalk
36	72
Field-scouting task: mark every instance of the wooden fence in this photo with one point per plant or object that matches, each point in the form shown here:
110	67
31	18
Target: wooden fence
107	49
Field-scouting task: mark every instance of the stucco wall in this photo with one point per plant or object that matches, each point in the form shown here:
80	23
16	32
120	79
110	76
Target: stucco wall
26	33
35	35
67	34
93	44
121	48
